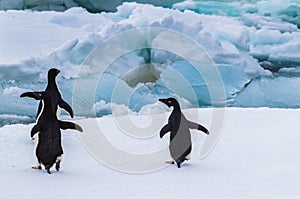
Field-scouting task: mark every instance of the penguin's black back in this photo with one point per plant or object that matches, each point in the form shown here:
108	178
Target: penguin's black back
49	137
47	131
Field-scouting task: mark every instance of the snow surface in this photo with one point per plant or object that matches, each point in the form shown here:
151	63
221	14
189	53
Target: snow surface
256	157
255	47
256	59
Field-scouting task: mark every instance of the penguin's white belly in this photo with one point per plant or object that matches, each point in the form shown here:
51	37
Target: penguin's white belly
58	111
36	140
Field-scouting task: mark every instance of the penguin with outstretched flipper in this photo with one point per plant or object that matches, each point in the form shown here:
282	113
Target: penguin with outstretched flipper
47	132
180	140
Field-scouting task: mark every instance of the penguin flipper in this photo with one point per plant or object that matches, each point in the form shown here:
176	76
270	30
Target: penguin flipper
66	106
35	129
165	130
34	95
199	127
69	125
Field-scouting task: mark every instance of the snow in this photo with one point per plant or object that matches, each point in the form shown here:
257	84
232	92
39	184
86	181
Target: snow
256	157
114	68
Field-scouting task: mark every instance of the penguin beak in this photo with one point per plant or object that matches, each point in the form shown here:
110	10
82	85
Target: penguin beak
161	100
165	101
58	71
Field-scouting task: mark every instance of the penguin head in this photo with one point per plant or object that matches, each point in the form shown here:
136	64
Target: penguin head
36	95
170	102
52	73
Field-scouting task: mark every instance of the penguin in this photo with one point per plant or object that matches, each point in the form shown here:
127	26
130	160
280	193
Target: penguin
54	92
180	140
47	132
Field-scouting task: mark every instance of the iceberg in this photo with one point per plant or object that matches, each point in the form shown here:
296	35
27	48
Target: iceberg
258	62
90	5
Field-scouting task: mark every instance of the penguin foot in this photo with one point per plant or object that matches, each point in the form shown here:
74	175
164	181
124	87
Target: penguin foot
178	165
170	162
38	167
57	165
47	167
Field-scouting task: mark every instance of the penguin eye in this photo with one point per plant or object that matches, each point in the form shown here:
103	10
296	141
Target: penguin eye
170	102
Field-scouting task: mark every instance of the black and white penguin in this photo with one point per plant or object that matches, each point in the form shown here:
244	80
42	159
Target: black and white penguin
180	140
54	92
47	132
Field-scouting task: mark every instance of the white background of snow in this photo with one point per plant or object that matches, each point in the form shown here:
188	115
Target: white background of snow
256	157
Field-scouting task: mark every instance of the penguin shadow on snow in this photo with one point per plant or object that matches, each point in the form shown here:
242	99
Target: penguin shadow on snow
180	145
46	132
